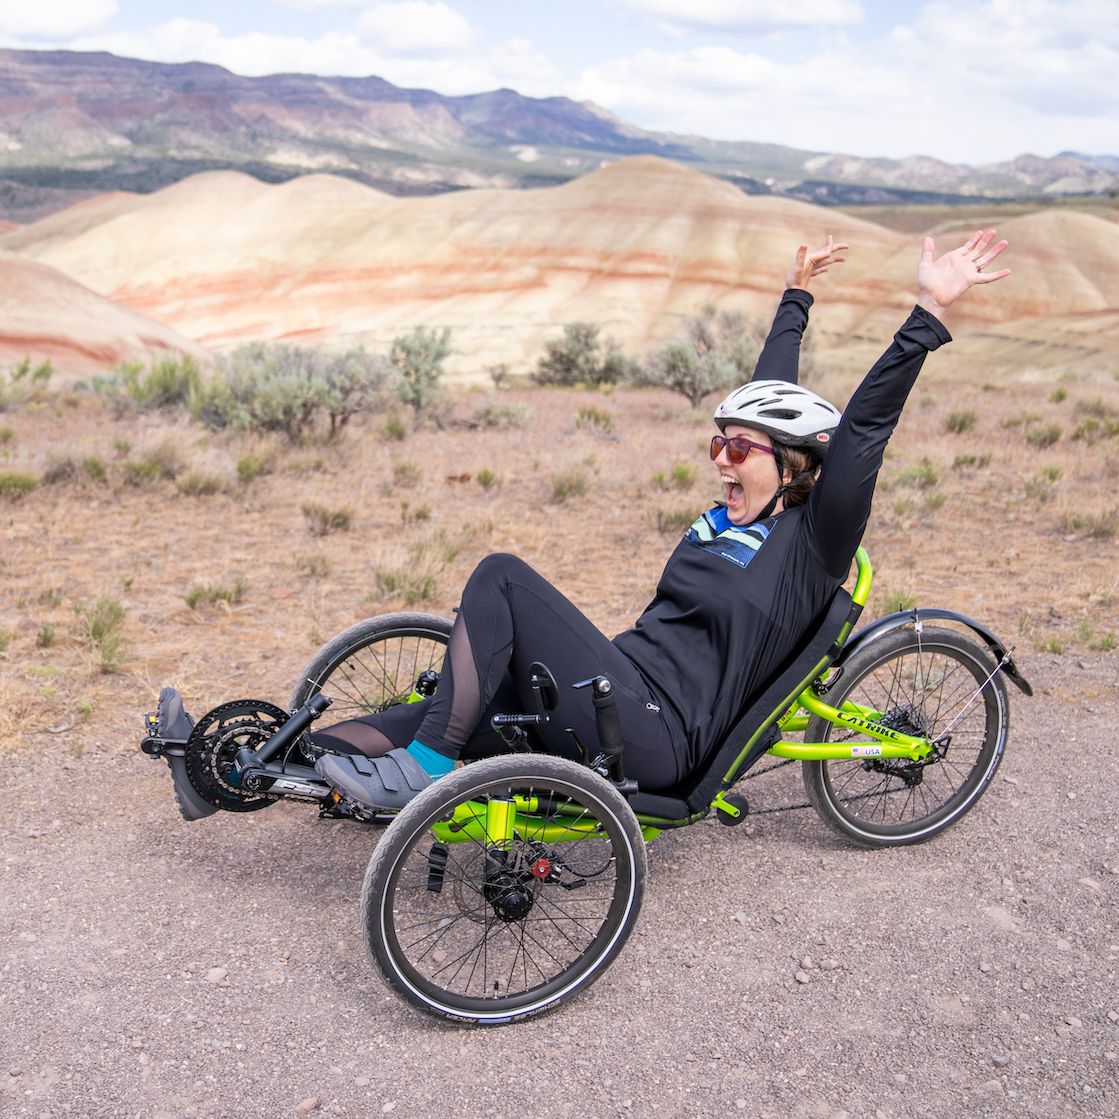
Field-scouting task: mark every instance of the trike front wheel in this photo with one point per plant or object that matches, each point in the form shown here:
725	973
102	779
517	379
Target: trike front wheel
487	925
936	684
374	664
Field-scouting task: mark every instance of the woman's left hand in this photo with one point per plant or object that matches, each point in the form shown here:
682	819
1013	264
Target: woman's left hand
806	266
943	281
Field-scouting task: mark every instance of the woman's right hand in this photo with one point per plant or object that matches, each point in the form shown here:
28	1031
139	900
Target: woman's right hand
806	266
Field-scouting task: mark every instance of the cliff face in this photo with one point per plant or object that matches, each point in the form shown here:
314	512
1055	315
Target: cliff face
85	123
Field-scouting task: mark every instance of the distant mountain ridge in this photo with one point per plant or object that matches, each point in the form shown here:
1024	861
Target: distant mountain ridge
74	124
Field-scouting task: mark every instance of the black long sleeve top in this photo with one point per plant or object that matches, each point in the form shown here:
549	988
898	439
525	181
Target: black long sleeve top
734	602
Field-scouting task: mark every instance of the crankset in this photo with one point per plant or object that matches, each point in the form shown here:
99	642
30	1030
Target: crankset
211	752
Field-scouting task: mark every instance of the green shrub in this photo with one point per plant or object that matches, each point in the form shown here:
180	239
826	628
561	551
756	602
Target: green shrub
322	521
680	477
897	602
405	473
716	352
21	382
418	359
5	639
1043	436
6	436
410	514
675	520
252	465
922	477
959	422
196	483
316	566
1096	526
100	626
571	484
355	382
961	462
497	416
81	471
46	636
1094	430
487	479
594	420
394	428
580	357
210	594
414	587
1098	409
1058	395
15	485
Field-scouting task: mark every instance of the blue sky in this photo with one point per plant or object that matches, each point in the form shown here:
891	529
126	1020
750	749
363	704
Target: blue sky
962	80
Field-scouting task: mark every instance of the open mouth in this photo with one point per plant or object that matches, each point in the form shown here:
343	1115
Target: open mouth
732	490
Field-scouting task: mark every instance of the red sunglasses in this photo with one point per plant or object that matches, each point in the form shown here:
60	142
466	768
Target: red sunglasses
737	447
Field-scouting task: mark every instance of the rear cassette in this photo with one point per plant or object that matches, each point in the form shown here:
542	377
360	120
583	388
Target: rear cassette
211	751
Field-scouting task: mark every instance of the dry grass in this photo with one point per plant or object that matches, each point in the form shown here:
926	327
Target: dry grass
1018	534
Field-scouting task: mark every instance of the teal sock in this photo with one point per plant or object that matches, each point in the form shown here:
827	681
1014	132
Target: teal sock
435	764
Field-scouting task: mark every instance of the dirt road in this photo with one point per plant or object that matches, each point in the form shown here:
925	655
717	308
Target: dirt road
154	968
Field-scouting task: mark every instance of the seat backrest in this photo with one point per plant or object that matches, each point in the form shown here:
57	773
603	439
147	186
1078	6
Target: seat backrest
752	734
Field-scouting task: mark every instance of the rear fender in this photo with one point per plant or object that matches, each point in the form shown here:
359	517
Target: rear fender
916	617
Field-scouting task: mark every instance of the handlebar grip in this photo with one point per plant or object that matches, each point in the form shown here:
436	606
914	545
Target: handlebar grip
606	717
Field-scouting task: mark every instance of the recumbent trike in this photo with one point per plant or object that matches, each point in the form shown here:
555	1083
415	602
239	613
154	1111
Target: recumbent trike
511	884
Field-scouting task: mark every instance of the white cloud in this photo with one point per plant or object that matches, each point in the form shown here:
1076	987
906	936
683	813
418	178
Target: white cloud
515	62
415	27
48	19
949	92
749	15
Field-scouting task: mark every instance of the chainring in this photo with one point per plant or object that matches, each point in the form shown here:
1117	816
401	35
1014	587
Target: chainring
212	749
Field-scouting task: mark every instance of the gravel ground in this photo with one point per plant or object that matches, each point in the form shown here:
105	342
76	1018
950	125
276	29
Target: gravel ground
156	968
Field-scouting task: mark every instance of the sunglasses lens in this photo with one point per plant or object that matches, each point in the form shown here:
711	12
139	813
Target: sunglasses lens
736	453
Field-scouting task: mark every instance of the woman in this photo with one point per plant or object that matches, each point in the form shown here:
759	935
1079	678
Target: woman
737	595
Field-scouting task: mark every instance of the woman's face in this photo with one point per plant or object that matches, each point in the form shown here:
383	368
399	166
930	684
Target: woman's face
748	485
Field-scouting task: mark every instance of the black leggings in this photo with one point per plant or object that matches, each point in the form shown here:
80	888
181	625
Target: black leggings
510	616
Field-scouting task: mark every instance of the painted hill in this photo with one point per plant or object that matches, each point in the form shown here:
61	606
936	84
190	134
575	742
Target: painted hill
44	314
635	246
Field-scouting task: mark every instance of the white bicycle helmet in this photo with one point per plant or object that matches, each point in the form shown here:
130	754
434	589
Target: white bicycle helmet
787	413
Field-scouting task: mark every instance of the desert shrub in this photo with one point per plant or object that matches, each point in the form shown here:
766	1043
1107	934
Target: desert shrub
595	420
959	422
355	382
394	428
405	473
675	520
21	382
1095	525
716	352
414	587
210	594
15	485
418	359
266	387
963	462
1058	395
100	626
499	374
680	477
6	436
45	638
414	514
580	357
487	479
322	520
898	601
315	565
197	483
252	465
1094	430
1044	436
173	381
565	486
1043	485
5	639
163	461
1097	409
85	471
497	416
922	476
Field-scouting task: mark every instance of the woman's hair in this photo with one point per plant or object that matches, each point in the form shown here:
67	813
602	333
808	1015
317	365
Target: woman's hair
794	463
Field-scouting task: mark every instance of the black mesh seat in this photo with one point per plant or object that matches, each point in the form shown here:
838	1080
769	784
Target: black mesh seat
756	729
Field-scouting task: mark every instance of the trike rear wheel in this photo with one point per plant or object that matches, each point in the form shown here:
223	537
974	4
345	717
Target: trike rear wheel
488	932
937	684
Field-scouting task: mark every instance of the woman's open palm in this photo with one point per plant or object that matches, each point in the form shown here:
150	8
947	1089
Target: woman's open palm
942	281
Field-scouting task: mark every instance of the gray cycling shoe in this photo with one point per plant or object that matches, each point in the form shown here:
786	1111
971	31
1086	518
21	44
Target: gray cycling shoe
387	782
